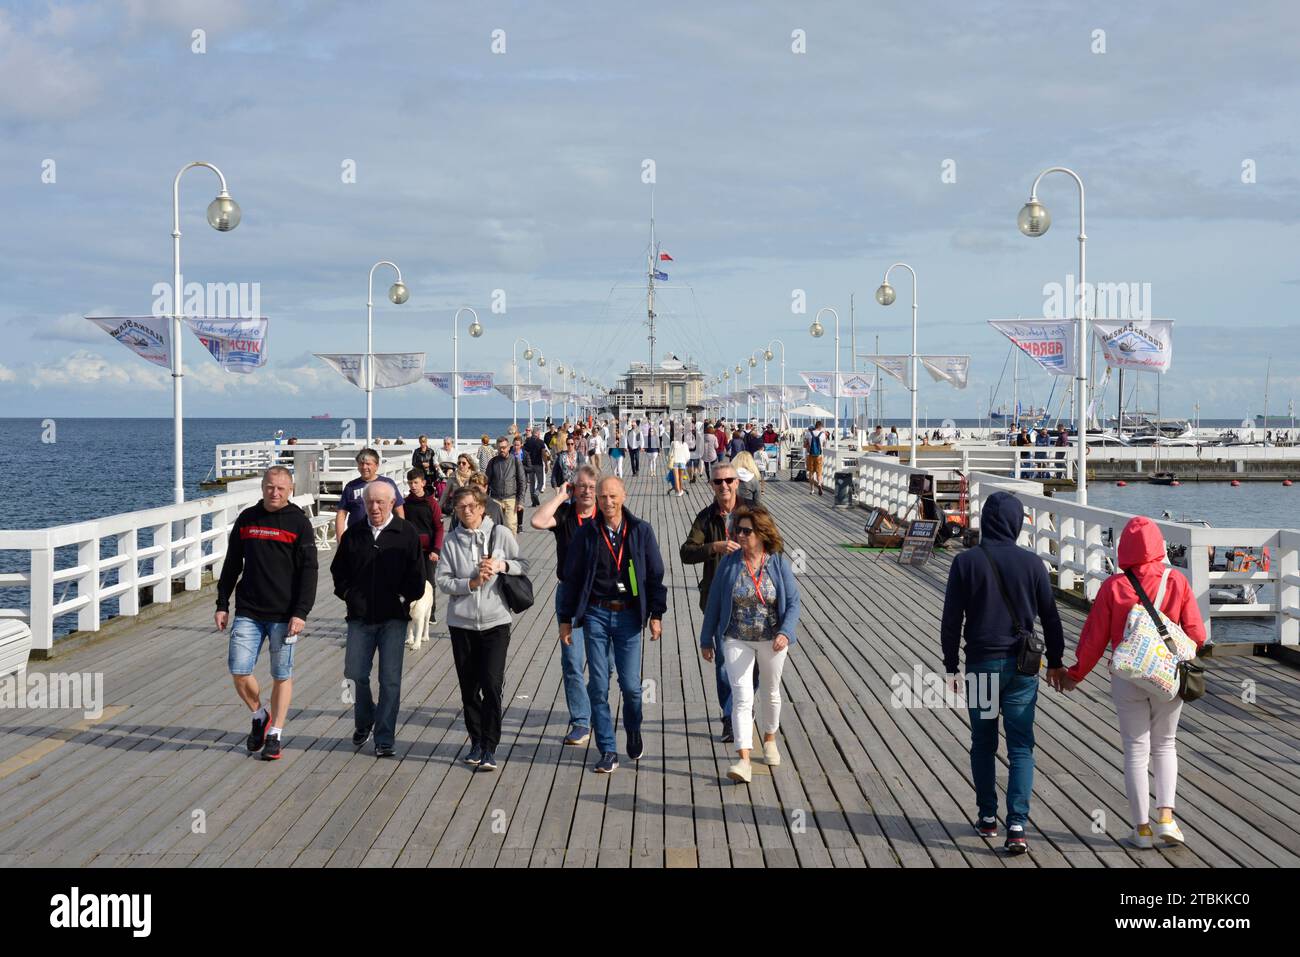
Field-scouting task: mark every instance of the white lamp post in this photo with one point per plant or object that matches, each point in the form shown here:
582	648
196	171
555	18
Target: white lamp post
550	400
767	356
816	331
514	362
1033	221
397	293
749	389
223	216
475	330
885	296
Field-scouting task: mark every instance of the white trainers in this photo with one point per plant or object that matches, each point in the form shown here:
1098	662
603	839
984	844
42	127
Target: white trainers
771	755
1141	837
1169	834
740	771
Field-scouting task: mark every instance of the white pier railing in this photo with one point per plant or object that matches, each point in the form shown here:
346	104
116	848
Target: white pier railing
1078	542
116	558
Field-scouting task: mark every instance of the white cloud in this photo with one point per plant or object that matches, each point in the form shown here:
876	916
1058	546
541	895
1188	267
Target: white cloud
69	327
38	81
7	374
86	368
188	14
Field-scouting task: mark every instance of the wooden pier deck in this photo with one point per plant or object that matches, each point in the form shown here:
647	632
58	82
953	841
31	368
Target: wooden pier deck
163	778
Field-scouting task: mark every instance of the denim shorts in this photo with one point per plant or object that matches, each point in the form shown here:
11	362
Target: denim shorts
246	638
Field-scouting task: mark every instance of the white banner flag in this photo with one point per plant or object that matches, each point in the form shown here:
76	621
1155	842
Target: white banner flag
894	365
1143	344
854	385
238	345
524	393
954	369
475	383
1049	342
818	381
149	337
392	369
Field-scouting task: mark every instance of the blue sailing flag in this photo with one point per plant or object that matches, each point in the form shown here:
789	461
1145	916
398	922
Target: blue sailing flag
661	276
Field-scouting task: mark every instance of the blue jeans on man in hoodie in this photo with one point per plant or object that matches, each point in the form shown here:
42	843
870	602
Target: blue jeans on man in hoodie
1017	698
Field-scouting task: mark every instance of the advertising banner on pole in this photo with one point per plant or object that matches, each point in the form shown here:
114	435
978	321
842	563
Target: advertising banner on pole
392	369
149	337
1143	344
953	369
894	365
1049	342
238	345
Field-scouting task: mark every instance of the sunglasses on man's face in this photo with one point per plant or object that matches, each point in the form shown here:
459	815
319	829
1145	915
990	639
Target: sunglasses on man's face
725	481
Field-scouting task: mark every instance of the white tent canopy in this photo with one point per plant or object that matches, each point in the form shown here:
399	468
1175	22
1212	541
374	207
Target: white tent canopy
811	411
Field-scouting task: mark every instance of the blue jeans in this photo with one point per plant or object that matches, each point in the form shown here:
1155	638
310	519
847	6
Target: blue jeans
246	638
573	659
389	638
1017	697
613	641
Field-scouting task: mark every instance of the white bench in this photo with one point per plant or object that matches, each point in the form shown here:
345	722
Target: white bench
15	647
322	527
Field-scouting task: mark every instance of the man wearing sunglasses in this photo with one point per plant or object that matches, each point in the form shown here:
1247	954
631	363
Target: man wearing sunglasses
710	539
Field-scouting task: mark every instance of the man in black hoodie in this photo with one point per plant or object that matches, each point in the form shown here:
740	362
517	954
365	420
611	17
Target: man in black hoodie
993	684
378	571
272	547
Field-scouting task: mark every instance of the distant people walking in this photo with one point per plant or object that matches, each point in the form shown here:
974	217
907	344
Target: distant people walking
751	485
752	614
351	508
563	515
484	452
535	457
1148	721
653	443
271	553
695	449
709	449
425	459
425	514
711	539
635	442
474	556
996	590
506	482
614	588
681	456
891	440
378	571
567	463
617	452
459	478
446	457
813	440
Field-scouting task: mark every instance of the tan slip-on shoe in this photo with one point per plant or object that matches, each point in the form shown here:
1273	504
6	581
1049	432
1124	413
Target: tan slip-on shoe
771	756
740	771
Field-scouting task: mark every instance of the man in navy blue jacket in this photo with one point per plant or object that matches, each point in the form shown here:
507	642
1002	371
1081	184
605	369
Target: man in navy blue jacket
613	588
993	684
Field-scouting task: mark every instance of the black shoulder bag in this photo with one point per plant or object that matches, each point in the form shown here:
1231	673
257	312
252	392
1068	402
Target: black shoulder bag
1191	674
516	590
1029	657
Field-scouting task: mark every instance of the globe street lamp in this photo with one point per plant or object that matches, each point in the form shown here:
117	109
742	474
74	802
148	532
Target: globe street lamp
223	216
398	294
816	330
1034	220
514	362
475	330
885	295
767	357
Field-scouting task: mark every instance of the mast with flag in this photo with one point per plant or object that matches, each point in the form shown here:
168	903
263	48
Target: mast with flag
652	269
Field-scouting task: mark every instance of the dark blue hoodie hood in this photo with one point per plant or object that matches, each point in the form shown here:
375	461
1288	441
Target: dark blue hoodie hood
1001	518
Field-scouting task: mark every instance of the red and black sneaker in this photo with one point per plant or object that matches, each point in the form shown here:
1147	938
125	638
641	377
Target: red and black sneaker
1016	843
257	737
271	751
987	827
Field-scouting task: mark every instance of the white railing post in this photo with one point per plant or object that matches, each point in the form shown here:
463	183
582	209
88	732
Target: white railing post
41	611
1288	588
1065	528
88	585
1092	559
162	562
128	573
1198	574
193	530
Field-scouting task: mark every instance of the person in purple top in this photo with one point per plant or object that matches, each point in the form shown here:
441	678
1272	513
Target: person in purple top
351	509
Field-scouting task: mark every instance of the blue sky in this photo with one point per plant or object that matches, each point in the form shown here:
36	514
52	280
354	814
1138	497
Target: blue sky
521	171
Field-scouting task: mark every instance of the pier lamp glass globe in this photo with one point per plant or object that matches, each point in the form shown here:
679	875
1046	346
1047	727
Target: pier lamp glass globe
559	370
816	330
768	356
475	329
1034	219
541	362
738	367
885	295
752	362
528	355
398	292
223	213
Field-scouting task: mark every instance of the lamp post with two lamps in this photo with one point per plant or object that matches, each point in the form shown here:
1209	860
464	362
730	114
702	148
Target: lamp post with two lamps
475	330
397	294
816	330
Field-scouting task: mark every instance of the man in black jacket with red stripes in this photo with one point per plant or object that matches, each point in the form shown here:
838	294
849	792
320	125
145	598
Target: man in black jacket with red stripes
272	554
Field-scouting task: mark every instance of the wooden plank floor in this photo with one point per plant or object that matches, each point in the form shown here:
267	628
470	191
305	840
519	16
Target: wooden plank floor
162	778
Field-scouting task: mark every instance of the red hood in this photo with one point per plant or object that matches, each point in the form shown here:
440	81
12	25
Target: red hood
1140	543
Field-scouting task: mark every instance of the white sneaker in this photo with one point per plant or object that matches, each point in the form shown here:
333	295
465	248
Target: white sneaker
771	756
1141	837
740	771
1168	834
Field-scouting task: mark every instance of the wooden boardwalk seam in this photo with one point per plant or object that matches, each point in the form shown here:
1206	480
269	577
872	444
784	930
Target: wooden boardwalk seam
862	783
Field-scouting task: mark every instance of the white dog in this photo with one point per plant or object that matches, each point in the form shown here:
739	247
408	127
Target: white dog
417	629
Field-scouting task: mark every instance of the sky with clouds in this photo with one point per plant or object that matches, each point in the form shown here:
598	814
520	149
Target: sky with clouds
521	171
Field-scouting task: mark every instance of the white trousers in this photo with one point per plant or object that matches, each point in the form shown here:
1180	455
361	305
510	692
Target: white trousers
1147	724
654	461
618	466
741	657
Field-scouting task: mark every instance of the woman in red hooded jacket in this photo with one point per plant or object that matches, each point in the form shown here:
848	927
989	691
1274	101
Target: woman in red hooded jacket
1148	722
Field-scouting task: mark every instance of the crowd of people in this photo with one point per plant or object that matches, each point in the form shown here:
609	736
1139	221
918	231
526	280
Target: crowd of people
455	529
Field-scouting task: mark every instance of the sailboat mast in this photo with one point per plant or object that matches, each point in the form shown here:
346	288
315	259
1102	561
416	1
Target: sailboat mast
650	293
1268	370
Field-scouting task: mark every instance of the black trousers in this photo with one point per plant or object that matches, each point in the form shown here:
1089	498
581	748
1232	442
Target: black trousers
635	455
481	667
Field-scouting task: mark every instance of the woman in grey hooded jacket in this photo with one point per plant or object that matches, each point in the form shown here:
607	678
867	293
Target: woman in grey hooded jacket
473	557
